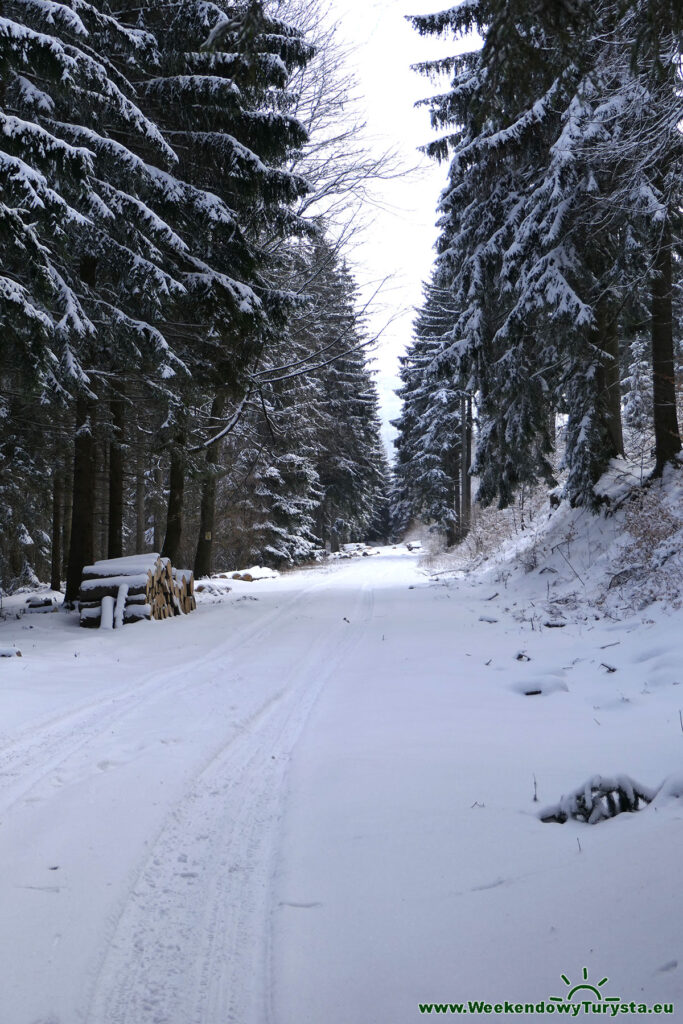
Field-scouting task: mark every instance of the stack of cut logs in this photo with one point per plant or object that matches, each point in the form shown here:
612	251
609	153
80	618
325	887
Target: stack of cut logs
122	590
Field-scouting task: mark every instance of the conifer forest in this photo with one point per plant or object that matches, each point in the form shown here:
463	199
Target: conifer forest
555	299
185	359
355	329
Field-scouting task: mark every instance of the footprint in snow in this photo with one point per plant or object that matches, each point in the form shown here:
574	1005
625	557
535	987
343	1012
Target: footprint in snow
489	885
299	906
650	654
670	966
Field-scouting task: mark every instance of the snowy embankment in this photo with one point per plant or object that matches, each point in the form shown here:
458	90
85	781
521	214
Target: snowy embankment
313	799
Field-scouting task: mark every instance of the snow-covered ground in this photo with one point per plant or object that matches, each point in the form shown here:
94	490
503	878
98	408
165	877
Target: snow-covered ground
312	801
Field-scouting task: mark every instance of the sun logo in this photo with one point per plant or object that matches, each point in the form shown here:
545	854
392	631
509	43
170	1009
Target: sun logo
584	986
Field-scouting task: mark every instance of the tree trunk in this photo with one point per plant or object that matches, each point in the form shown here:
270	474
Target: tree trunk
466	449
158	490
176	489
453	530
115	539
552	429
207	519
101	503
667	433
82	516
610	380
321	521
140	521
68	504
57	527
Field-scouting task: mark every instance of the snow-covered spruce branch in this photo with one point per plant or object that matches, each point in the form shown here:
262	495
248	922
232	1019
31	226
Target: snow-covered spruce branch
368	343
326	348
227	429
334	251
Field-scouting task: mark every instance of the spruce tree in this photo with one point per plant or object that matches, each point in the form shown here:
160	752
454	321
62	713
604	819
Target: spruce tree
493	140
306	465
535	225
217	93
432	458
645	101
88	261
351	461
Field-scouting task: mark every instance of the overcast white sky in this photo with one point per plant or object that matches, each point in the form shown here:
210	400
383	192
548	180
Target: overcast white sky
401	238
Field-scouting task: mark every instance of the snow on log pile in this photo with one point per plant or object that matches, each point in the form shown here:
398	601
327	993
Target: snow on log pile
117	591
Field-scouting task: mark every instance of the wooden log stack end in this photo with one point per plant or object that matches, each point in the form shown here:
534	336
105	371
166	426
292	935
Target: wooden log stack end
141	587
91	617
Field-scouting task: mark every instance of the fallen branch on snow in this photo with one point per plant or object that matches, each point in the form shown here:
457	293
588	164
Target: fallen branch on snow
598	799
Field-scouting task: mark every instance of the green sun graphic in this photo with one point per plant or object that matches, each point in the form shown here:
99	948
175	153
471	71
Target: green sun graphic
584	987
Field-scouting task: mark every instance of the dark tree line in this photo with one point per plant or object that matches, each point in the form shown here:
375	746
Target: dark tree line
168	345
557	285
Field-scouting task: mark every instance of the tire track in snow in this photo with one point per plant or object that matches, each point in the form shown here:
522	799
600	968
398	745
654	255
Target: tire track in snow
192	941
44	749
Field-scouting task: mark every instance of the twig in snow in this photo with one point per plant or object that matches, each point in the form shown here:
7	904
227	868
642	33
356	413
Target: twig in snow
535	791
557	548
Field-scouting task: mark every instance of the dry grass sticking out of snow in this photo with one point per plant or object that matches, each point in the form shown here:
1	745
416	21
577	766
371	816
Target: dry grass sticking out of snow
649	566
572	563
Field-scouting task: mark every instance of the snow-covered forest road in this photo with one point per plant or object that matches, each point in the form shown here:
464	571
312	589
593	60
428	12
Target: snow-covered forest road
312	802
